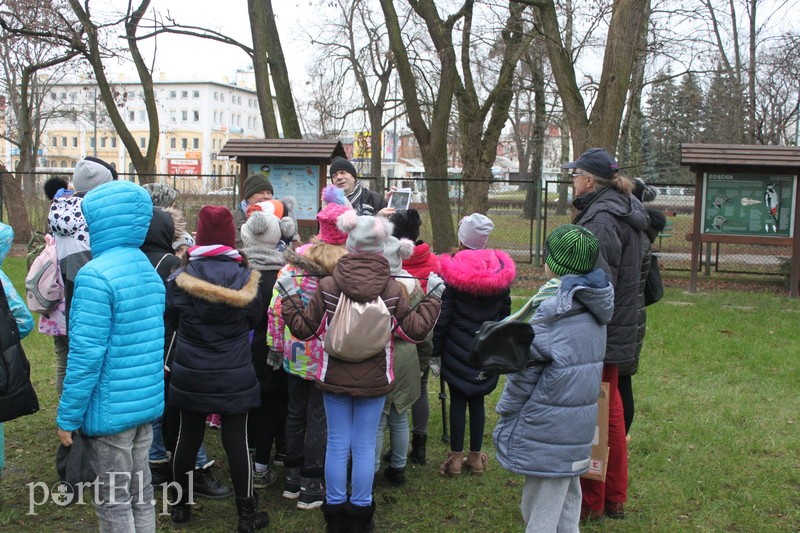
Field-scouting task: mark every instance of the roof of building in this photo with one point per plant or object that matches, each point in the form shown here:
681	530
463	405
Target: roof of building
283	148
740	155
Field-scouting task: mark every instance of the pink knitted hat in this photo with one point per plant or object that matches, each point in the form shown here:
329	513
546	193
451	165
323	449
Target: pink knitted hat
335	206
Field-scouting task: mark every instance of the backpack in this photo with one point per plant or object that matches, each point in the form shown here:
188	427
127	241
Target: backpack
43	285
358	330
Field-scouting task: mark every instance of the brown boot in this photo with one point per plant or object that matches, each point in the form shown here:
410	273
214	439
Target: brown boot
477	462
452	467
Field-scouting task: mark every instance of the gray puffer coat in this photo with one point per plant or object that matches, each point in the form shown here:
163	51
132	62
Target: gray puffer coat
549	411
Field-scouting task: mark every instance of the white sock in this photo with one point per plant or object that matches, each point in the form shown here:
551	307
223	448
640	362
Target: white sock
260	468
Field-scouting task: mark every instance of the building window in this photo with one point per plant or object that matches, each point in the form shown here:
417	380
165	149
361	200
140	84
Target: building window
172	116
74	142
54	142
195	94
184	144
195	143
103	142
142	142
63	142
73	164
184	116
131	116
195	116
141	116
91	142
216	95
216	117
173	95
63	164
173	143
184	95
113	142
221	97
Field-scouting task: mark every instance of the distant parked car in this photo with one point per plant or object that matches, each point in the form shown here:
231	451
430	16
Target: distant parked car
223	191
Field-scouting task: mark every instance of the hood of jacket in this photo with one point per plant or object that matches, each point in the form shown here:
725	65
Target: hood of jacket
299	261
117	214
165	227
593	290
627	209
362	276
478	272
6	240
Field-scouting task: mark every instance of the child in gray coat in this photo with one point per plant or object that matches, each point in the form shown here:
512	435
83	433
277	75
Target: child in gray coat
548	412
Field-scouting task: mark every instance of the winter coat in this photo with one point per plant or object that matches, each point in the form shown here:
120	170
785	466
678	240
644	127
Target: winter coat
17	396
68	227
301	358
477	289
366	202
114	379
213	303
406	359
362	277
19	310
548	412
619	222
267	263
421	263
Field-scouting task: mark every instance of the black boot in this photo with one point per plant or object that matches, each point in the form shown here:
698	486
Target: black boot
336	517
181	513
249	518
207	486
418	450
395	476
361	519
160	473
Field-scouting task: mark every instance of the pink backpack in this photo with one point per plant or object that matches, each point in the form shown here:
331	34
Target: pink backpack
43	286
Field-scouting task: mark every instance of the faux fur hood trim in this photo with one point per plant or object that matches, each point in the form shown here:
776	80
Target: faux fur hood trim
178	220
215	294
303	263
478	272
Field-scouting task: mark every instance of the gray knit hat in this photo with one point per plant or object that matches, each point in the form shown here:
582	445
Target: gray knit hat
571	249
395	251
91	172
474	231
256	182
364	233
162	194
261	230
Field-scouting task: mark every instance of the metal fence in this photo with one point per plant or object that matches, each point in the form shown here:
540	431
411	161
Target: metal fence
522	236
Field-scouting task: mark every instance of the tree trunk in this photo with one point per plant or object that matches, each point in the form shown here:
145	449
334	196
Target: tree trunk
280	77
16	212
258	30
631	131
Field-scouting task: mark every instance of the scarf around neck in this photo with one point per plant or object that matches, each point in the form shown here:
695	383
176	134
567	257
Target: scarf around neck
214	250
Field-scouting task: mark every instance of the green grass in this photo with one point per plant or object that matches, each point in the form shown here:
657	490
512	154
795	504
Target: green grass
714	447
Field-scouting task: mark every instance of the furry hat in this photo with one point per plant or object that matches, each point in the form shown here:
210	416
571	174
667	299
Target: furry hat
364	233
406	224
571	249
261	230
395	251
643	191
215	226
335	204
91	172
340	163
162	194
256	182
474	231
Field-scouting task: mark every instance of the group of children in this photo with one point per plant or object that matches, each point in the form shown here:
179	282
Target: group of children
239	327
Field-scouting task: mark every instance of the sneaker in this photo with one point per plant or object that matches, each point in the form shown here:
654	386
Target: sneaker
291	485
262	480
312	493
207	486
214	421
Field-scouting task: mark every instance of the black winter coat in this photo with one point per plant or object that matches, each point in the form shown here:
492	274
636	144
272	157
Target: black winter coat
619	222
17	396
213	303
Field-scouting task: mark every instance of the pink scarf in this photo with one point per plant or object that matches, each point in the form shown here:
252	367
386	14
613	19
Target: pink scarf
213	250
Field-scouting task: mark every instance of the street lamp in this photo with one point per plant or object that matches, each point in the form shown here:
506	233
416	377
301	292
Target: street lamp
94	118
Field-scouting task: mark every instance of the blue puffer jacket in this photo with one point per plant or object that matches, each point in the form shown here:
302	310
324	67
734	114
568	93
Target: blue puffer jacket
548	412
115	378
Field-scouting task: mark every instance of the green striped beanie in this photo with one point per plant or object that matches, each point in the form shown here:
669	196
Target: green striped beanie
571	249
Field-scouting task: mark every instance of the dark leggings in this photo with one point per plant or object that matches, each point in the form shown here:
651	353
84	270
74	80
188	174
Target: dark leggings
420	411
234	440
458	421
268	425
625	387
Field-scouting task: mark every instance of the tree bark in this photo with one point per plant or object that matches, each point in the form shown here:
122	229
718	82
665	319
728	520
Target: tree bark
280	77
258	30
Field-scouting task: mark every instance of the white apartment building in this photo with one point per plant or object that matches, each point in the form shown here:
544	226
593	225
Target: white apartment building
196	119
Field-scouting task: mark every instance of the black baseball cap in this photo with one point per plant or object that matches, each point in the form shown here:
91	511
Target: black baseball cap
596	161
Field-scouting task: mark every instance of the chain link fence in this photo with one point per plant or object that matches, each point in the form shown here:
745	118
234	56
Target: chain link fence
517	229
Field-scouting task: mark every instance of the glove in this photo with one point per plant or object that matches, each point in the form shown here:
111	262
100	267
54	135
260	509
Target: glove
435	285
435	364
286	286
275	359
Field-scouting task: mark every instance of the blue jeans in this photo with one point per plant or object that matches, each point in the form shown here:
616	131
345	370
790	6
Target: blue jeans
352	430
158	451
125	497
398	438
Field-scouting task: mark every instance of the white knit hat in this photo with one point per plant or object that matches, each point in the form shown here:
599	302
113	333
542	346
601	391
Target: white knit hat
261	230
364	233
474	231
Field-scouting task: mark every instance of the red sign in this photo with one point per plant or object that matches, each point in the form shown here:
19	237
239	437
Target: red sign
184	167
